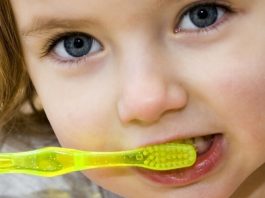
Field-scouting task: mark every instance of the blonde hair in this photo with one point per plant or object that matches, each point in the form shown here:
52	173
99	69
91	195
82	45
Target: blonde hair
16	88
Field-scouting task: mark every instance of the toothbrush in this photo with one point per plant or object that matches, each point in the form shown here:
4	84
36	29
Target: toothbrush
54	161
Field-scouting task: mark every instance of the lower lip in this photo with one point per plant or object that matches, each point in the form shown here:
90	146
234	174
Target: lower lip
205	163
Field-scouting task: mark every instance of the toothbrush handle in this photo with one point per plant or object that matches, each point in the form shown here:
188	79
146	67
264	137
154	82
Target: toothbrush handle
107	159
47	162
52	161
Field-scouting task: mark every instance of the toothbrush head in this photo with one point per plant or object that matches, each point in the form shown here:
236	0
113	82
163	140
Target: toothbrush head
166	156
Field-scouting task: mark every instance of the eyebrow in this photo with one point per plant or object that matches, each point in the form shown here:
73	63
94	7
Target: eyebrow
40	25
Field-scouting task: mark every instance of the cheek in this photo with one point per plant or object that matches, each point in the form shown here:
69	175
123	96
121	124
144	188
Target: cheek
80	119
241	97
238	95
80	108
78	128
88	129
231	84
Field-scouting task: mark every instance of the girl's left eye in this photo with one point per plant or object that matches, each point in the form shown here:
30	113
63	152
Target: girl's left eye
75	46
201	17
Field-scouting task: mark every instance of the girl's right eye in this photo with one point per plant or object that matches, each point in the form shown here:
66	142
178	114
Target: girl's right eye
74	46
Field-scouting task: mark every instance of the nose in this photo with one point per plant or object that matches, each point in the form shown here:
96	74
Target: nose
148	94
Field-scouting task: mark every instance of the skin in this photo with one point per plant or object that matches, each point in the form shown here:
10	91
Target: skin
149	84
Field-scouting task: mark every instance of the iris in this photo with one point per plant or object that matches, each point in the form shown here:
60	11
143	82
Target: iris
204	15
78	45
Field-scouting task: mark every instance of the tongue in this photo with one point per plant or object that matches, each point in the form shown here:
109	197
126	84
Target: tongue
202	143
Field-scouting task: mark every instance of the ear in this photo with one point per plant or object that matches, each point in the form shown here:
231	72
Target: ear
37	103
32	104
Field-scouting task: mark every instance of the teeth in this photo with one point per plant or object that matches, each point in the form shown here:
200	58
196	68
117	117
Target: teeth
202	143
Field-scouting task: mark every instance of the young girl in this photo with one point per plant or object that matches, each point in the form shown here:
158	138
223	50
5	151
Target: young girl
120	74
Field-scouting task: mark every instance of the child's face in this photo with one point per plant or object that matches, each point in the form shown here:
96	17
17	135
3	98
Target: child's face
149	71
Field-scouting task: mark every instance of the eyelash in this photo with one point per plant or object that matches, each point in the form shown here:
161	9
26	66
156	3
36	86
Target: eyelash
229	10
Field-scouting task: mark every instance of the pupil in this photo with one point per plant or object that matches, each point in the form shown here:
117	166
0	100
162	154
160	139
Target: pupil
78	43
203	14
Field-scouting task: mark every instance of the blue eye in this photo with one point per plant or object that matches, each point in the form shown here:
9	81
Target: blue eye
75	46
78	46
202	17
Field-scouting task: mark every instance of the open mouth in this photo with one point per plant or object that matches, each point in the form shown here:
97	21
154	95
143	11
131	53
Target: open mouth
209	152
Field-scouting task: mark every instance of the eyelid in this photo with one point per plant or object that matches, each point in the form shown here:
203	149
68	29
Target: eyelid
221	3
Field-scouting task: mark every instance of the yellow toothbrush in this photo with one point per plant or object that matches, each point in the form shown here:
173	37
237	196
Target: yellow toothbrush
53	161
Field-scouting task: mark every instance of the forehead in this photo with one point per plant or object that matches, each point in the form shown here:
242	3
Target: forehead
88	4
75	8
30	12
